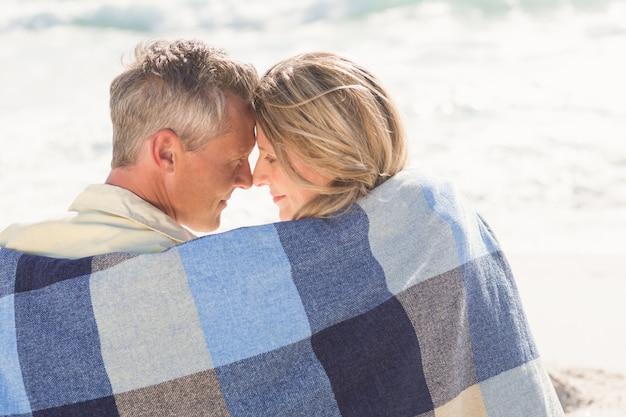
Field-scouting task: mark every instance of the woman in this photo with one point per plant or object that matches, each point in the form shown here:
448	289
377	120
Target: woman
328	134
332	146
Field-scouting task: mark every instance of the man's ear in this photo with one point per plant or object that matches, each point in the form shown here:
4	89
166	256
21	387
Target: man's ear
165	146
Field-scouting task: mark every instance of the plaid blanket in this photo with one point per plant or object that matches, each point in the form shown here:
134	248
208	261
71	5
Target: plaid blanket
405	306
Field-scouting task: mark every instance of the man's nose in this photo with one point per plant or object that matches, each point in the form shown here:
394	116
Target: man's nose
244	176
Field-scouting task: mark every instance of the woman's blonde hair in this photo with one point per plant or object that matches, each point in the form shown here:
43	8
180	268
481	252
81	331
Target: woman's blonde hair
334	116
179	85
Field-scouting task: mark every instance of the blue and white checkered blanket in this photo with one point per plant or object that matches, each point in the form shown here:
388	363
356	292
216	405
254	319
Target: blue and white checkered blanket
404	306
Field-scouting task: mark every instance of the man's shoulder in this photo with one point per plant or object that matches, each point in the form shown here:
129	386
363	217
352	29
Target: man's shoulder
84	234
105	219
36	237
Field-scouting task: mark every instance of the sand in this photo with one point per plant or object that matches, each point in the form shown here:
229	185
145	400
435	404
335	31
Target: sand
576	310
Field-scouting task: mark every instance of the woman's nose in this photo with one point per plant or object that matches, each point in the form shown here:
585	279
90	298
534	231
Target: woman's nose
259	177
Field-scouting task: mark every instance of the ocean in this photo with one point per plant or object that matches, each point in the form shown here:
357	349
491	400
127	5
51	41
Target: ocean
519	103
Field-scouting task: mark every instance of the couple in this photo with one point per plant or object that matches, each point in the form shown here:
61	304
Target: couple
387	296
184	127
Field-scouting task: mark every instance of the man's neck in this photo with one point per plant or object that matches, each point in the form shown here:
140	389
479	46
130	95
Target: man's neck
138	182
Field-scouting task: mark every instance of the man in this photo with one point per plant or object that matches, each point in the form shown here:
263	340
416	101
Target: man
183	128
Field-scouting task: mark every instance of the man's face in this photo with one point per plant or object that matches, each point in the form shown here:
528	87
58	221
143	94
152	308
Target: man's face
205	179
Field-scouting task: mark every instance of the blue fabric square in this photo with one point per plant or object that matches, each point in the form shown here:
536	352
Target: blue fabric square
374	364
13	398
537	400
57	341
335	272
471	234
8	265
35	272
499	331
244	310
288	381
